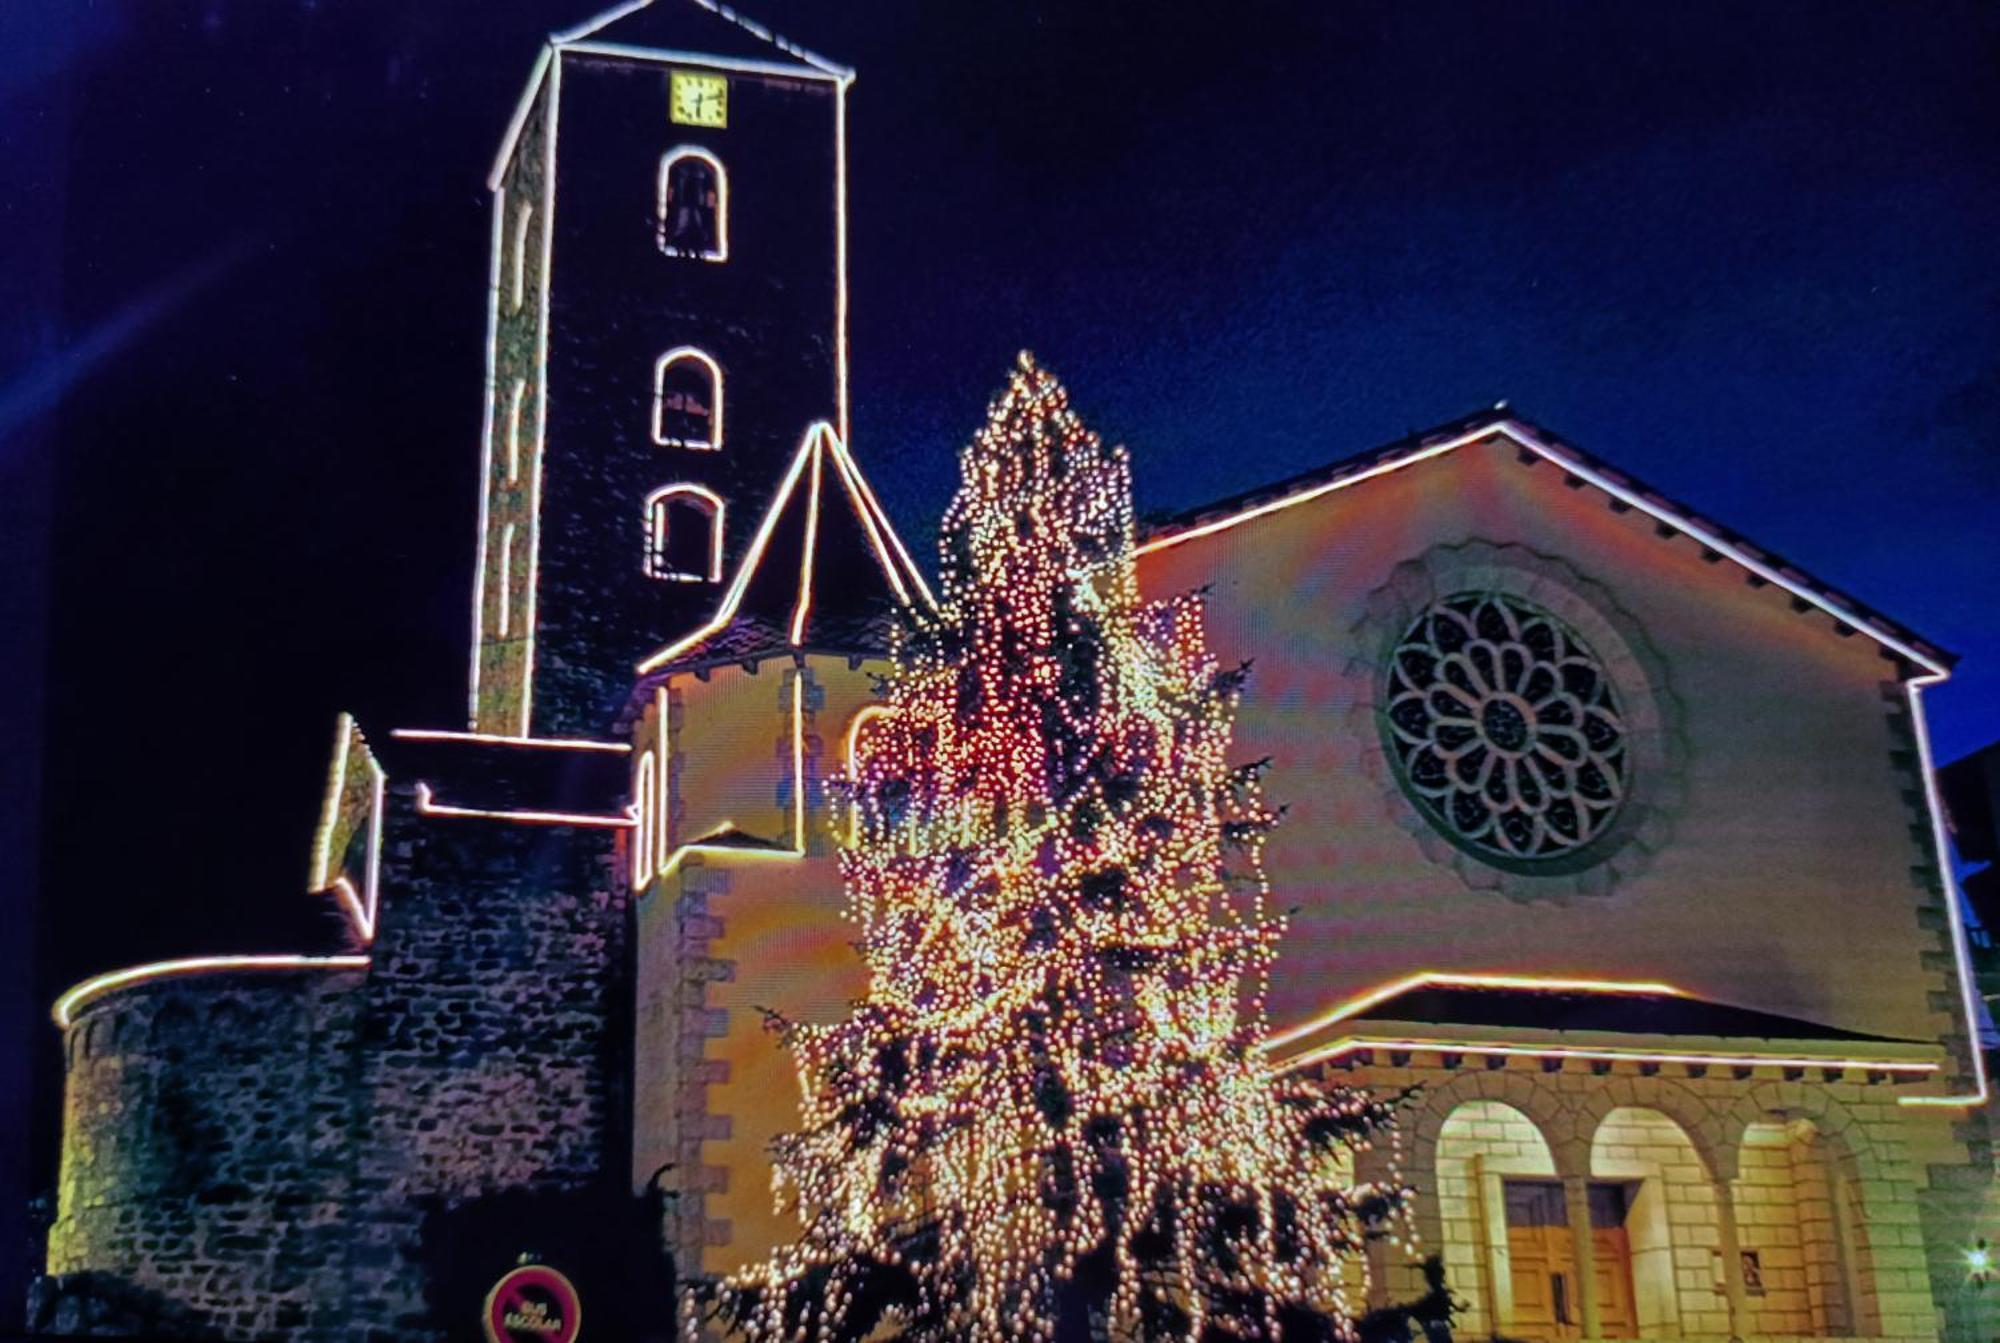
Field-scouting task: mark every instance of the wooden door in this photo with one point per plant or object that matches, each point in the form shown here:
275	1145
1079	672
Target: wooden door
1538	1253
1542	1266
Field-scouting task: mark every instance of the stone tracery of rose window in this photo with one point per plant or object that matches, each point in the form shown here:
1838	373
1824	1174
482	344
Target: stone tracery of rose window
1505	728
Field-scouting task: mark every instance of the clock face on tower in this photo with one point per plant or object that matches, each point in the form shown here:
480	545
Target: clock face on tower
698	99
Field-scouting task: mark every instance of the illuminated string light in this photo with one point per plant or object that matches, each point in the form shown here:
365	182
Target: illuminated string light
338	812
522	218
428	805
77	998
503	619
497	739
514	430
532	598
803	606
1606	1054
819	438
1960	945
880	527
487	411
1423	979
643	809
1057	881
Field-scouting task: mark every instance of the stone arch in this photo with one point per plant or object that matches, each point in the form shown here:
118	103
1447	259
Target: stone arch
1663	1218
1527	1092
1860	1178
1485	1143
1697	1119
1795	1100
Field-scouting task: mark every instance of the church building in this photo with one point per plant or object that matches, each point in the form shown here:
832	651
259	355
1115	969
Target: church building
1612	834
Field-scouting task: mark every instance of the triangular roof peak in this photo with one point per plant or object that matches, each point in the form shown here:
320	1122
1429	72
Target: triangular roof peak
1535	443
703	31
678	32
822	568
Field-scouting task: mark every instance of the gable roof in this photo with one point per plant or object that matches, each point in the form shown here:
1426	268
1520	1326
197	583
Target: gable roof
823	574
684	32
1599	1019
1579	468
696	27
1436	1003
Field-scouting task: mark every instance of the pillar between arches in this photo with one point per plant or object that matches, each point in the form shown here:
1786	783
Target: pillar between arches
1737	1294
1583	1253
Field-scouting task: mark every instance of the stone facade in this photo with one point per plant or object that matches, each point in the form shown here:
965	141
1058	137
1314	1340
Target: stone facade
494	1023
1817	1177
209	1129
571	928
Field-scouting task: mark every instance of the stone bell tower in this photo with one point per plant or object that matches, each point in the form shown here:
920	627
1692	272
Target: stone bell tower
667	310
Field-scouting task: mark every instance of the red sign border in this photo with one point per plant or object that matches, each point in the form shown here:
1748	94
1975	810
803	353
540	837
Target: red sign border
552	1280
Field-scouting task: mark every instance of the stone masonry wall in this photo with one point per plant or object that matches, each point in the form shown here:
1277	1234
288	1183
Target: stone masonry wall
493	1036
1837	1223
206	1148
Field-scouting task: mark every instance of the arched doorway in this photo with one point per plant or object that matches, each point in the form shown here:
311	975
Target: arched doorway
1659	1240
1494	1177
1802	1244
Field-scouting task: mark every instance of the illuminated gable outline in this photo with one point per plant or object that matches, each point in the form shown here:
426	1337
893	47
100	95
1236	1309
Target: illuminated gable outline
428	805
359	906
1445	1044
818	438
500	739
1936	669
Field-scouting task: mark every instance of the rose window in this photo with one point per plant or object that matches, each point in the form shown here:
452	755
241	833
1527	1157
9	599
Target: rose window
1506	728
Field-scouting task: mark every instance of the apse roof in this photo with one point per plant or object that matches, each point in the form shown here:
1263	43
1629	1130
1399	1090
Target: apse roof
825	572
1579	468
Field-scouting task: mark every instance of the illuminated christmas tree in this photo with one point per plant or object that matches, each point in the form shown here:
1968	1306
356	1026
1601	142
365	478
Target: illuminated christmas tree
1048	1117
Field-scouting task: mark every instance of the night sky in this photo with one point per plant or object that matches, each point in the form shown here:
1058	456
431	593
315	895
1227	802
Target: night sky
1744	252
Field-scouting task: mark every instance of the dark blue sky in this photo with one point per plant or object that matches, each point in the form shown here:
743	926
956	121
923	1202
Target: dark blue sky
1743	251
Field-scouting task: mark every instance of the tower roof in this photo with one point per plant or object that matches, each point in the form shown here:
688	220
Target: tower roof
681	28
683	32
823	574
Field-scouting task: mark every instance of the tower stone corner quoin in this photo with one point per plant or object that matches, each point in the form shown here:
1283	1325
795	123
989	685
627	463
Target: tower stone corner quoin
1611	836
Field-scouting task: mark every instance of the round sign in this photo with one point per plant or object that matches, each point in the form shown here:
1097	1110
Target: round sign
532	1304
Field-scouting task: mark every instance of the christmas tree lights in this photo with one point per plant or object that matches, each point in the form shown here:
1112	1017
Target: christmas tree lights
1048	1116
